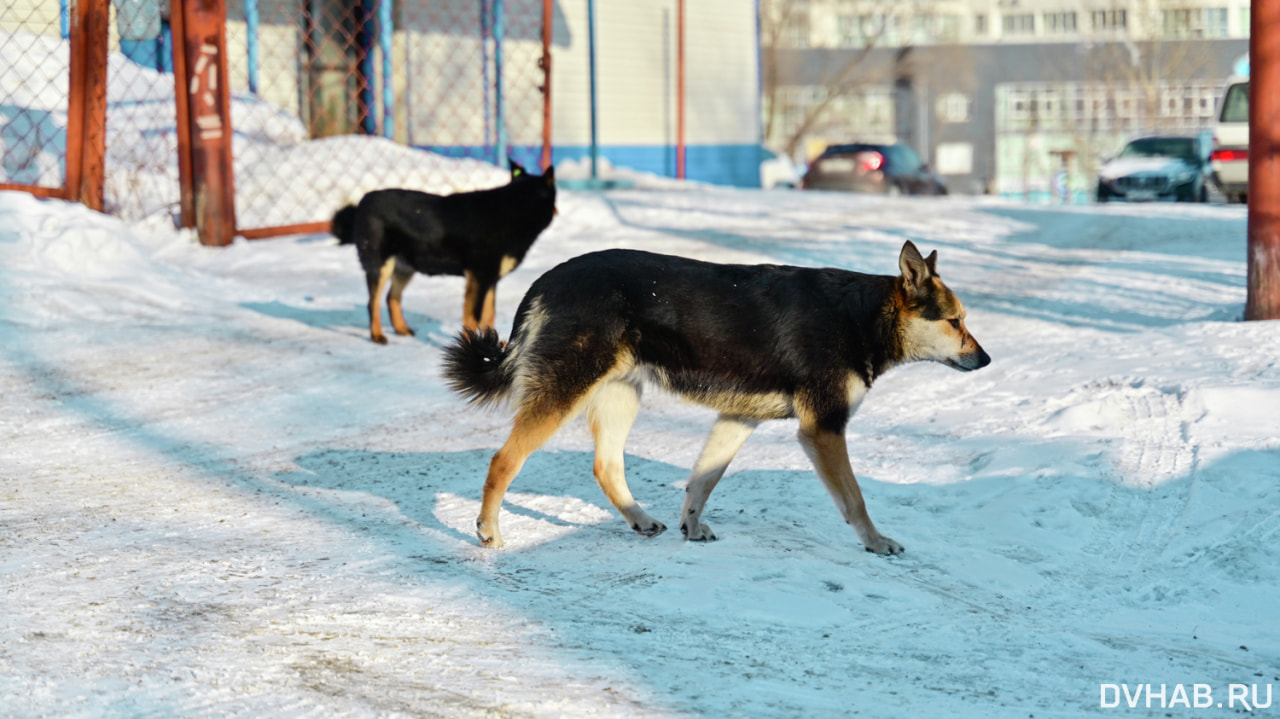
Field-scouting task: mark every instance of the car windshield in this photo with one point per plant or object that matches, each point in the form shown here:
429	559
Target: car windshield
1180	147
903	158
1235	104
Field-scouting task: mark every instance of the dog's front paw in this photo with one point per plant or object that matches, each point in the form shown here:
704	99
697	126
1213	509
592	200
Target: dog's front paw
488	538
702	533
404	332
649	528
885	546
378	339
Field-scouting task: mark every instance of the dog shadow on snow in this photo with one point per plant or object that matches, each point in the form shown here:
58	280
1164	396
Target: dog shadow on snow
441	491
554	502
354	321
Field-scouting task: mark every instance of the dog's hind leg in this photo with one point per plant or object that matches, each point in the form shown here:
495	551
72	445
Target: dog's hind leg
610	412
830	456
487	311
723	443
377	279
530	432
478	302
399	280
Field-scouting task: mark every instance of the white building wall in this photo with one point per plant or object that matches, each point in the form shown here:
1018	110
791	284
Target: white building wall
636	82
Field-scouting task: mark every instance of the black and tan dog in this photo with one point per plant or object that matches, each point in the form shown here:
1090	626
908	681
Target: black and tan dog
753	342
481	235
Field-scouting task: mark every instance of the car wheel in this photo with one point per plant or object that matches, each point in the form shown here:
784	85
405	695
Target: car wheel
1103	194
1204	194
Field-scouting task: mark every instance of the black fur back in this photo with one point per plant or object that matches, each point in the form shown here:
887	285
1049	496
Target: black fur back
475	367
343	225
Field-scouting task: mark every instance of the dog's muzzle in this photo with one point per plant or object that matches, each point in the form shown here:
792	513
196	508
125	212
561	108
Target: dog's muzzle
970	361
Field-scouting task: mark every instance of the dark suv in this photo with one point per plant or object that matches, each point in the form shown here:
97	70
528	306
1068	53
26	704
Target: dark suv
891	169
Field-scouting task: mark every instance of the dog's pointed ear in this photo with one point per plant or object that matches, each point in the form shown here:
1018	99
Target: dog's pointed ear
550	175
516	169
916	270
932	262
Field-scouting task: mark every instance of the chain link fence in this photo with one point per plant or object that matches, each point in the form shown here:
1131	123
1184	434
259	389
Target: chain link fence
330	99
34	85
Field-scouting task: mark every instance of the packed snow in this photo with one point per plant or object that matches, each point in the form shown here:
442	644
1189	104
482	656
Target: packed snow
219	498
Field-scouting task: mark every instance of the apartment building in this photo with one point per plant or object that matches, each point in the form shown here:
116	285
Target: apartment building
1000	95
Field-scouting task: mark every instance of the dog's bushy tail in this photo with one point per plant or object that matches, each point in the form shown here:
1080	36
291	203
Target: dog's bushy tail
343	225
478	366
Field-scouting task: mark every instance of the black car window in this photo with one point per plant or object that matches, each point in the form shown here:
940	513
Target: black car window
901	159
1235	104
846	150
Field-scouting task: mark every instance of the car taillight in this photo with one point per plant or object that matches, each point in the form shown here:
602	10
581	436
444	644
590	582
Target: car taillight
1228	155
872	161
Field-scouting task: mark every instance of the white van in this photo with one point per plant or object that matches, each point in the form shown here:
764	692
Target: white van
1230	157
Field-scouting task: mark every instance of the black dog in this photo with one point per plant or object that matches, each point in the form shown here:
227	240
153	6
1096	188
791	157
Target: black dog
481	235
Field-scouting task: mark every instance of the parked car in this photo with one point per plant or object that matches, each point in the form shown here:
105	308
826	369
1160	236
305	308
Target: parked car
1161	167
777	170
887	168
1230	158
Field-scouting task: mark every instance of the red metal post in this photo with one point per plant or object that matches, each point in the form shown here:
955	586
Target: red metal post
680	89
548	19
204	118
186	196
1263	301
87	105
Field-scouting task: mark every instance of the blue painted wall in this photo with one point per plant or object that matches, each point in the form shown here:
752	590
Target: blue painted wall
734	165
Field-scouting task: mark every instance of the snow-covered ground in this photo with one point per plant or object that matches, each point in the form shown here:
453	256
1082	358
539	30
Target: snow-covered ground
218	498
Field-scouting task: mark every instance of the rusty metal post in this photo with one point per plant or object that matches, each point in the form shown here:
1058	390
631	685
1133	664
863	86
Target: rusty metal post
204	119
548	20
87	105
1263	301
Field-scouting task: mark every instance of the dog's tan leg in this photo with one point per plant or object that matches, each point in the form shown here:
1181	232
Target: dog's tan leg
830	456
723	443
487	312
610	412
376	283
471	302
399	280
528	434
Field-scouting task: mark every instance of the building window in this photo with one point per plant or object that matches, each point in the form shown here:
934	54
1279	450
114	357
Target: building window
953	107
1215	22
1245	21
1176	23
1194	22
1060	22
946	28
1098	107
1109	20
979	24
847	31
920	29
880	30
795	33
1021	24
